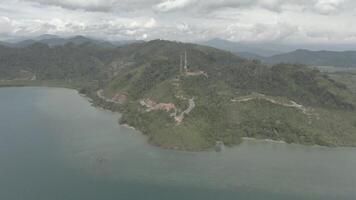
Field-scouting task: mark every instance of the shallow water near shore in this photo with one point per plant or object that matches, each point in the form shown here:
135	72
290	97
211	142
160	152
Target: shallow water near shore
55	145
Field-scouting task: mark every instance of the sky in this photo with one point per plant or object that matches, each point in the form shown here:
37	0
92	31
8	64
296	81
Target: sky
280	21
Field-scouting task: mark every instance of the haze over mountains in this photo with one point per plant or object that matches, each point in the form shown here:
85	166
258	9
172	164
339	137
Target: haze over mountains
54	40
345	59
341	55
271	53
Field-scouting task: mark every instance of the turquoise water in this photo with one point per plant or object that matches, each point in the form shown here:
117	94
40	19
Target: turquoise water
55	146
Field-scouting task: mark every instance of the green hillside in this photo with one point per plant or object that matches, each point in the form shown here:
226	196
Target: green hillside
63	62
220	112
220	97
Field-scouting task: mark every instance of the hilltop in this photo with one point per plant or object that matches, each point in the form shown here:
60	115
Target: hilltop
233	98
220	97
54	40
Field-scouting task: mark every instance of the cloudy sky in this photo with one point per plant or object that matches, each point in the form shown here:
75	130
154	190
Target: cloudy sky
285	21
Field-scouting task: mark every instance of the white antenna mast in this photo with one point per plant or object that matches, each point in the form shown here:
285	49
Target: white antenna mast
185	61
181	63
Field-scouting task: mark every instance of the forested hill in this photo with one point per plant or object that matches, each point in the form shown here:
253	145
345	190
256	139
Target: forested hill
54	40
62	62
219	97
157	61
222	97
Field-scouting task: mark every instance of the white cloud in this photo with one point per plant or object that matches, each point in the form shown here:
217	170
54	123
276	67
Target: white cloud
96	5
188	20
151	23
168	5
328	6
144	36
260	32
5	25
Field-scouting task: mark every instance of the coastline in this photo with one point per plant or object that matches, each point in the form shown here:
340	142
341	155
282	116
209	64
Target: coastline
96	102
265	140
99	104
129	127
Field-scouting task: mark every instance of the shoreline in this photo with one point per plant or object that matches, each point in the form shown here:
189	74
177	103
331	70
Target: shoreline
264	140
271	141
99	105
129	127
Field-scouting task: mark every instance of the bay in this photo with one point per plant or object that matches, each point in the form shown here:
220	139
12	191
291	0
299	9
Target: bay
55	145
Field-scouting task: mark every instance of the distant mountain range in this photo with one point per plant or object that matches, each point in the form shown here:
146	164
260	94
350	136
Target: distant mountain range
316	58
54	40
255	49
266	52
273	53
